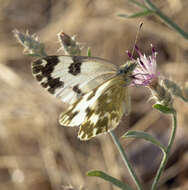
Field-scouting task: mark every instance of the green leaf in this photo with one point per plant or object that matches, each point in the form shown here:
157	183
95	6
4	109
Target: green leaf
110	179
145	136
89	52
139	14
164	109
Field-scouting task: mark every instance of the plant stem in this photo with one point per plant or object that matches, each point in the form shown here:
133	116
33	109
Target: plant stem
165	18
126	161
165	154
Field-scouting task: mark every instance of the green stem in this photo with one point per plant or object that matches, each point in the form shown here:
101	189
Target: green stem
126	161
165	18
165	154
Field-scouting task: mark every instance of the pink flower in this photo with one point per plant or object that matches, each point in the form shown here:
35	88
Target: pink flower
145	74
146	71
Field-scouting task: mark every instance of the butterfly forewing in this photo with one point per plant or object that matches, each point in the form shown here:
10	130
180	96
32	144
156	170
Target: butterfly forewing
70	77
100	110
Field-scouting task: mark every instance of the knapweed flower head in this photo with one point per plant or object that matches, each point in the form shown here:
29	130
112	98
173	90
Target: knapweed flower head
177	90
146	74
146	71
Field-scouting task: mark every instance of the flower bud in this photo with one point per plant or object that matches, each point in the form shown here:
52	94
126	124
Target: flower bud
69	45
31	43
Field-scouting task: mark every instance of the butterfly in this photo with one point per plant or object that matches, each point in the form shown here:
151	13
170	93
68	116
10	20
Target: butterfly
95	89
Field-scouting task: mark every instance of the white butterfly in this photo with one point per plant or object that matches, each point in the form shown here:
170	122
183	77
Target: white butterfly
96	90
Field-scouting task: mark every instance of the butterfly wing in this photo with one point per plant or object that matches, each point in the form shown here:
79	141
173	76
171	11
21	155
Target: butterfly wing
70	77
100	110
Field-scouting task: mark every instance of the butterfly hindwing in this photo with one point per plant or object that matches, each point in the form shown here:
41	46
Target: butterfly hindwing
98	111
70	77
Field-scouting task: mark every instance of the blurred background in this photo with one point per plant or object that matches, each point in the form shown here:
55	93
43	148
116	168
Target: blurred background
36	152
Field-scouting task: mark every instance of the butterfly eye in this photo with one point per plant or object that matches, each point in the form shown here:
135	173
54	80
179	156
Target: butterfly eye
121	71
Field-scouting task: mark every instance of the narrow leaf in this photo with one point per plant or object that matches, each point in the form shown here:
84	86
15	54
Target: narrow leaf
164	109
137	3
145	136
139	14
110	179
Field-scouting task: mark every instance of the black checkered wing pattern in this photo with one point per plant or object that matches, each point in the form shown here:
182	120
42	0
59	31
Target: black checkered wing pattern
70	77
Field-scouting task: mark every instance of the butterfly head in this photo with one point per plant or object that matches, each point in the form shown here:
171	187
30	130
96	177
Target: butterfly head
126	69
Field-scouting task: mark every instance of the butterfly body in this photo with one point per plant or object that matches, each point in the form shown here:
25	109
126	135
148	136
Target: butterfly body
96	90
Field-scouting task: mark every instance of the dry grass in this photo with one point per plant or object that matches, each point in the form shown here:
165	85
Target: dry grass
36	153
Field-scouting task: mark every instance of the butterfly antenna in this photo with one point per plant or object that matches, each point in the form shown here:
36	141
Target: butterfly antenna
138	31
